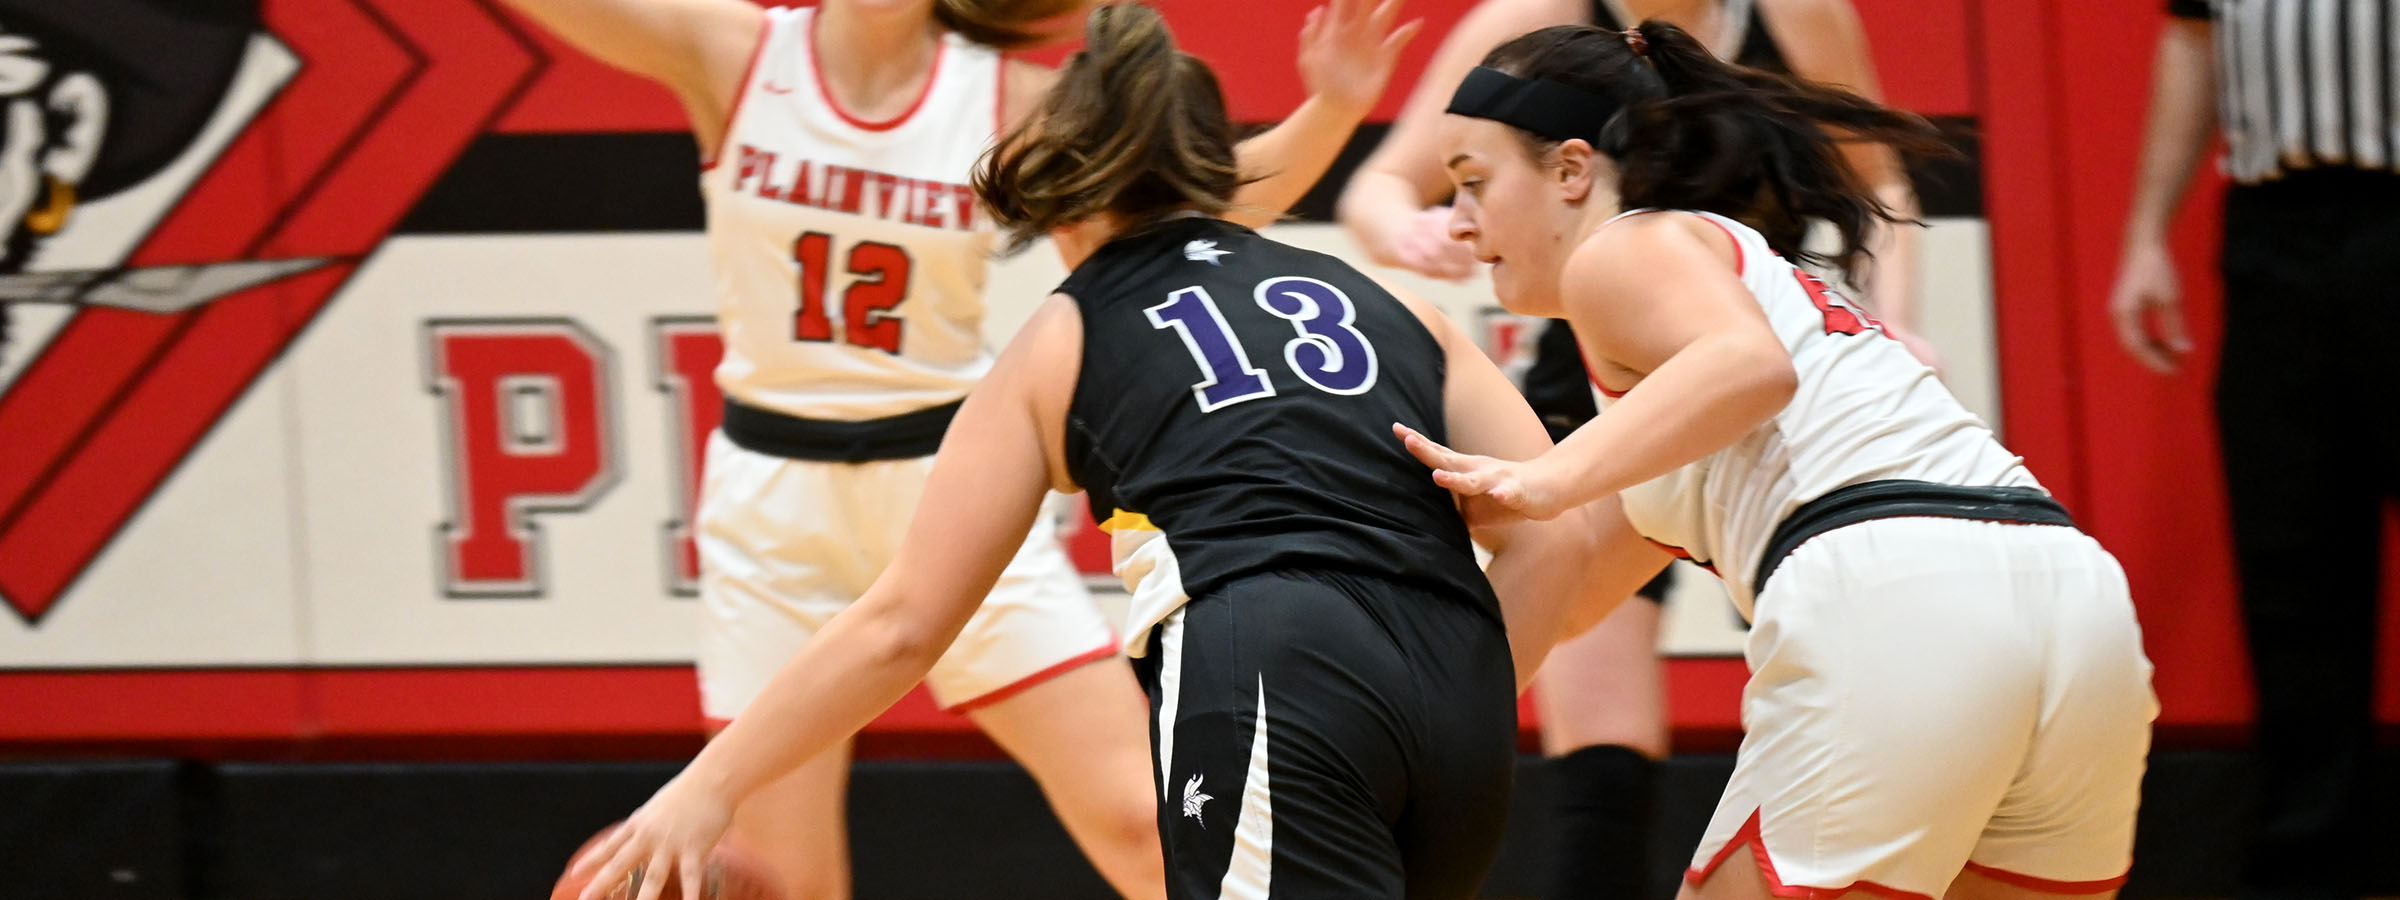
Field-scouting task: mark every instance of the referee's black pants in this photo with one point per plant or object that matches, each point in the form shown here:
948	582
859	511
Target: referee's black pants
2308	409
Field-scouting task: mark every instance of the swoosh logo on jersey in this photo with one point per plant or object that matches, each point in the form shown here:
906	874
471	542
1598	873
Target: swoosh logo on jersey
773	88
1204	251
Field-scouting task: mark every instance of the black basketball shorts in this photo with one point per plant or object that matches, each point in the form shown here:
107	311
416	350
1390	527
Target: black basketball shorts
1330	736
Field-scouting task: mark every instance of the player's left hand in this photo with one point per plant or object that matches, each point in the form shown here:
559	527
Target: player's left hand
1519	487
669	837
1348	49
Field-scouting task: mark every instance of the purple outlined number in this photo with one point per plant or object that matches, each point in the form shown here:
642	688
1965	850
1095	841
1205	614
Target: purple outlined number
1329	354
1227	375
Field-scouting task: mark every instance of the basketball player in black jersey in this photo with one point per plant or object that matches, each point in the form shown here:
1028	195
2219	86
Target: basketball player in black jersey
1603	699
1333	687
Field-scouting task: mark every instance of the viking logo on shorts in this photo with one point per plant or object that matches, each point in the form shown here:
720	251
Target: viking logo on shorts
1193	799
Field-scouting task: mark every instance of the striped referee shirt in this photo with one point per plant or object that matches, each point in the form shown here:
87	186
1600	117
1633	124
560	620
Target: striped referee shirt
2305	84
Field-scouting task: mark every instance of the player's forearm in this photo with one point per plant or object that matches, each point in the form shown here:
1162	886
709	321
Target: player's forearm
2182	114
853	670
1559	577
1288	159
633	35
1542	579
1710	394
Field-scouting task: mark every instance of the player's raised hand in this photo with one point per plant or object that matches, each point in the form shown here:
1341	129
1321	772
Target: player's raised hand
669	837
1516	486
1348	49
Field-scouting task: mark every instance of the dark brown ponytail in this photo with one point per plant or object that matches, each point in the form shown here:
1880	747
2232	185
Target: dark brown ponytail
1699	133
1134	127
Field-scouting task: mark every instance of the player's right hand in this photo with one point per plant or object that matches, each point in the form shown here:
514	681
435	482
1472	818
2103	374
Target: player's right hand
669	837
2147	307
1517	487
1423	245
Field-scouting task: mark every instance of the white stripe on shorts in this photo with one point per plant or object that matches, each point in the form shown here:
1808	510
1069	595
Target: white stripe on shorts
1246	876
1170	684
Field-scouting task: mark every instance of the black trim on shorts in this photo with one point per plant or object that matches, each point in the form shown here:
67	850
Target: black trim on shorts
1895	498
904	436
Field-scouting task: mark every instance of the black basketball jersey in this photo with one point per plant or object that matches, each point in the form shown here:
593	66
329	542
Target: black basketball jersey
1236	399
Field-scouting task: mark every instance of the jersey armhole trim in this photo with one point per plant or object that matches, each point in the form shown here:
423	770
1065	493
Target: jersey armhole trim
933	76
741	91
1594	377
1741	269
1741	257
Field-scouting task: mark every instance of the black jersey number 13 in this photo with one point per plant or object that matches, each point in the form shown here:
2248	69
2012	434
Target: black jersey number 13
1326	351
881	281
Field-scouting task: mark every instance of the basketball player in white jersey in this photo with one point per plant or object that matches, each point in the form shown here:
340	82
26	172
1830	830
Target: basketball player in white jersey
850	262
1603	699
1948	695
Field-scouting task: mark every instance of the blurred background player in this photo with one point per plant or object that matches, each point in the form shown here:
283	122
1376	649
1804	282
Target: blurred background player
1332	683
2307	396
850	266
1987	745
1602	699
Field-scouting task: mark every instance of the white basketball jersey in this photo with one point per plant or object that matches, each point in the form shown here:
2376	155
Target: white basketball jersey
1866	410
849	254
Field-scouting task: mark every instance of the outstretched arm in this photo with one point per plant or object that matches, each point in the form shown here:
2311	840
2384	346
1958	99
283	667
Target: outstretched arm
696	48
988	480
1655	296
1554	578
1347	51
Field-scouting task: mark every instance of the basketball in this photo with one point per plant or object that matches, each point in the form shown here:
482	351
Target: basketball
733	874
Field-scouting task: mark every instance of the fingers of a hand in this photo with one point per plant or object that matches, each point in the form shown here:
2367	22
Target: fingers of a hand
612	873
1462	483
1398	40
2155	359
606	849
1312	27
689	869
1431	454
1341	13
1504	494
1384	14
2170	326
654	875
1430	262
2127	318
1417	443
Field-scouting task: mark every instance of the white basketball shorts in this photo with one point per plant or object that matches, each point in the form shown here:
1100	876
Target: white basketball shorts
785	545
1935	695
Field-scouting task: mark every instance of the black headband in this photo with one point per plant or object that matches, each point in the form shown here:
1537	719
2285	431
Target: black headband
1552	109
